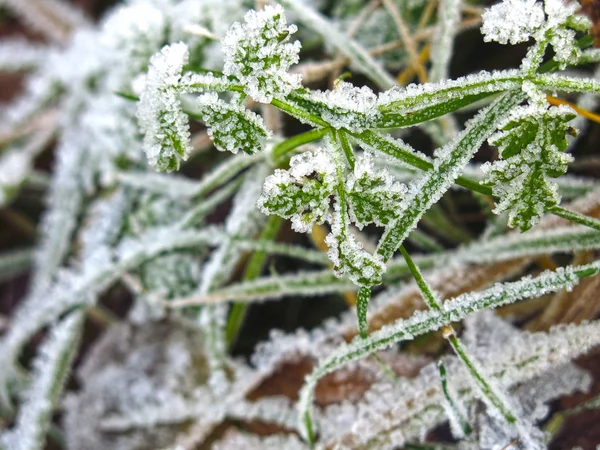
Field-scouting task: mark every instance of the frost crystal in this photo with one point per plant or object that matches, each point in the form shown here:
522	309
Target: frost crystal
258	54
532	144
231	126
512	21
160	114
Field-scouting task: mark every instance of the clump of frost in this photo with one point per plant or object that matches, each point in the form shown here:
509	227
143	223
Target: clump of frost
372	192
258	54
512	21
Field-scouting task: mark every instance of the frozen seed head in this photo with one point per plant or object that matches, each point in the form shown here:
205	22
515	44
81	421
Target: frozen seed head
258	53
512	21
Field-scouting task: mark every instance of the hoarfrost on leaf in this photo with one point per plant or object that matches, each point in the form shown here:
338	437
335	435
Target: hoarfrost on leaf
349	257
259	55
302	192
165	126
532	144
161	118
231	126
348	106
373	195
512	21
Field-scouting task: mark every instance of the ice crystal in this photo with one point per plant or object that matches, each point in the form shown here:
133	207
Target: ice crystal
257	53
532	144
231	126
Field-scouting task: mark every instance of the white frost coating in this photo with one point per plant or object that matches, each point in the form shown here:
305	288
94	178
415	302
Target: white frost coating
50	367
348	256
521	180
348	106
231	126
393	414
373	193
257	53
277	198
413	96
512	21
166	129
451	311
18	55
238	440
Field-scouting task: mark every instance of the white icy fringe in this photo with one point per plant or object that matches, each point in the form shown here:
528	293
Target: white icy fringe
50	370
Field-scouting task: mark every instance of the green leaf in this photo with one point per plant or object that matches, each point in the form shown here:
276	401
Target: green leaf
303	192
231	126
349	256
372	194
531	144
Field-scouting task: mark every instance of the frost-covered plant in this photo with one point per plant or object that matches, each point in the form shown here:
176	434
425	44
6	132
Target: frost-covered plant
132	84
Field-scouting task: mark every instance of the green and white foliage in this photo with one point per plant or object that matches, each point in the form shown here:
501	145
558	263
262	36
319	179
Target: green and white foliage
50	370
303	192
152	84
532	144
231	126
373	195
165	125
313	191
552	22
259	55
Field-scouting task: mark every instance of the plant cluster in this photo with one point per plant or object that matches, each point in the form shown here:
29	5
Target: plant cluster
135	83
